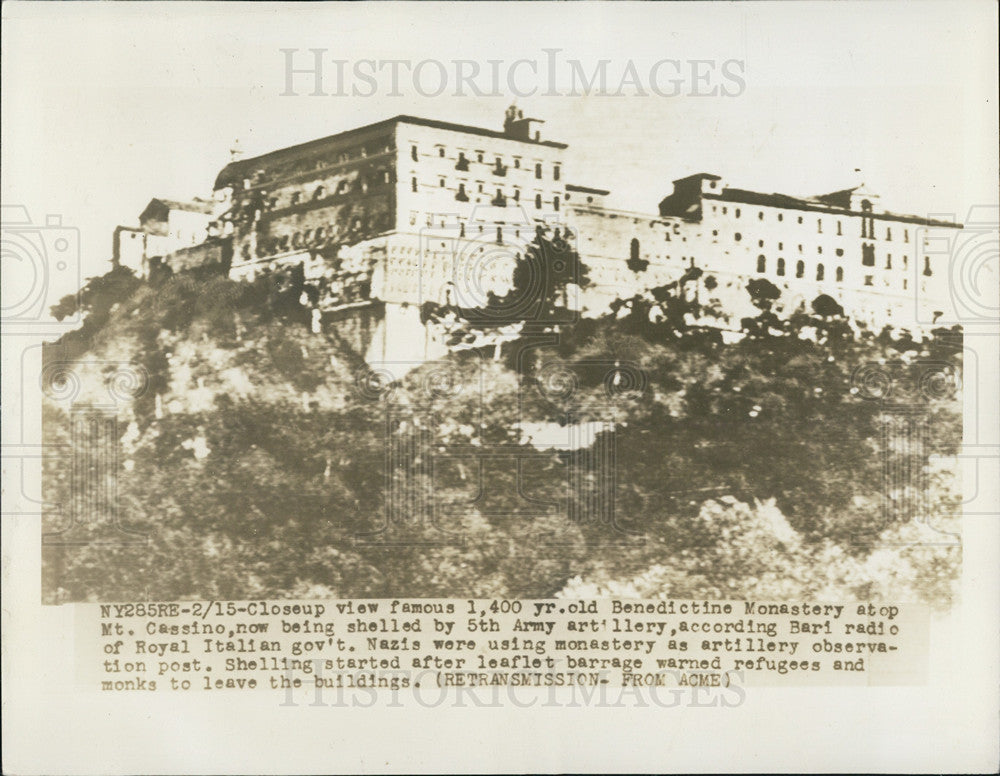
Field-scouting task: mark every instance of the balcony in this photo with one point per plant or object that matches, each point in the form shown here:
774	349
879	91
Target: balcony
499	201
500	170
462	164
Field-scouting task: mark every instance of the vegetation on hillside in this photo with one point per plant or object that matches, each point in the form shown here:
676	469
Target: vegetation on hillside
744	469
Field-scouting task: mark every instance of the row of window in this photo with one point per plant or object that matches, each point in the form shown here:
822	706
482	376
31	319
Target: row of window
360	185
800	269
867	224
499	199
497	164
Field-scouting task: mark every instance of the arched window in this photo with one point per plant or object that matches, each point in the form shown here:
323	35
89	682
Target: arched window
633	250
840	274
820	272
761	264
800	269
781	266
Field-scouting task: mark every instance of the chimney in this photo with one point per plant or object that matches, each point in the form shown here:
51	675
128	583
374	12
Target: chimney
516	126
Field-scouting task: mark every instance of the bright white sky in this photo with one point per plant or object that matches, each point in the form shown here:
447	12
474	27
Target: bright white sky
108	104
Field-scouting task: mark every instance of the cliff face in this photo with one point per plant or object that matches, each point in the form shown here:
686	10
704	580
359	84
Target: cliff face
178	346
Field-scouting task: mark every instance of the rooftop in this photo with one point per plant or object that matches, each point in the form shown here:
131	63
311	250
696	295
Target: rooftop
195	205
235	170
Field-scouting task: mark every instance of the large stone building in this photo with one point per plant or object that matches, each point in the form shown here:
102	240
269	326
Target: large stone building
388	216
166	227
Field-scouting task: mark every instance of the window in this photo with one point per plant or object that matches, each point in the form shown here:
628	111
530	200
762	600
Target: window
869	280
927	266
840	274
800	268
715	233
555	203
819	249
413	184
781	246
725	210
441	151
906	235
820	272
839	228
800	219
517	195
555	173
296	198
760	215
905	283
819	225
761	264
499	233
736	237
888	261
633	250
441	182
868	255
781	266
760	243
538	201
737	212
517	162
781	216
462	164
461	196
888	233
479	186
318	194
479	156
538	170
839	251
413	152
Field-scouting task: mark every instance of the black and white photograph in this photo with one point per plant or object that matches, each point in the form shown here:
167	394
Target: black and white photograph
505	302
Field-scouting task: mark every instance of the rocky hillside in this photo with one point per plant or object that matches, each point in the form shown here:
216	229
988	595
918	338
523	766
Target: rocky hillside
259	456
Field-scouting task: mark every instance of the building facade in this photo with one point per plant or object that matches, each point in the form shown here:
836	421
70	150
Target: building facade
386	217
